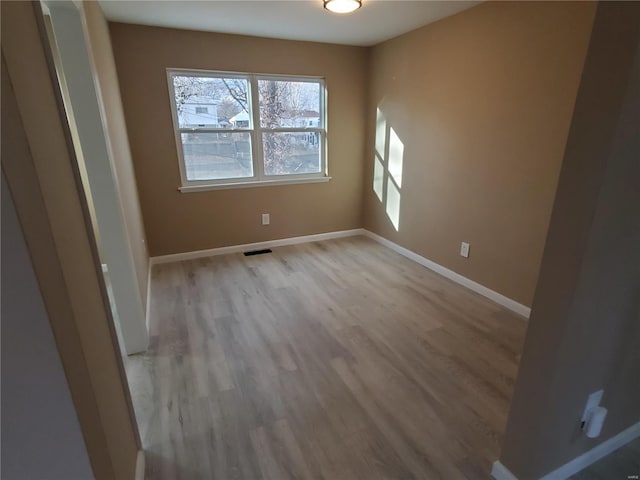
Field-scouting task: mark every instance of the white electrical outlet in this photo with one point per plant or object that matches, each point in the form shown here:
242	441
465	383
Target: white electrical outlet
266	219
464	249
593	401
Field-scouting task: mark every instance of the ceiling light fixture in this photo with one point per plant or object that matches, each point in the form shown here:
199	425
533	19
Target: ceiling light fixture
342	6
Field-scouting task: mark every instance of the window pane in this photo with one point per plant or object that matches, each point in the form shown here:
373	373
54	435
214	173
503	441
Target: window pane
286	104
208	102
216	156
291	153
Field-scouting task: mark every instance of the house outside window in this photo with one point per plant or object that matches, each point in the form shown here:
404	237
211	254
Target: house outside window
235	130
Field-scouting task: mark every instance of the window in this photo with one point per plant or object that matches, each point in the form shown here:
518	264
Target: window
244	129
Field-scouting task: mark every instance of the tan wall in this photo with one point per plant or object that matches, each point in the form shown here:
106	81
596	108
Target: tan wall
41	435
482	102
584	333
179	222
41	171
117	139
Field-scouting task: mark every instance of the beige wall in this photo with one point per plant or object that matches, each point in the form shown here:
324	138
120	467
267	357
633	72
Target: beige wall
41	171
117	139
179	222
584	333
40	436
482	103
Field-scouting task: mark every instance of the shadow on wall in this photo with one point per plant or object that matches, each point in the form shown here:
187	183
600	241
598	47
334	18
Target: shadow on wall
387	168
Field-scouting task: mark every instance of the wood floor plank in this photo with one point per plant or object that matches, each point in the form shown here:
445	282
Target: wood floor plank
333	360
279	453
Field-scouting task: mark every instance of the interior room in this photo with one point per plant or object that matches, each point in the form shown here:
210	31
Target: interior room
320	239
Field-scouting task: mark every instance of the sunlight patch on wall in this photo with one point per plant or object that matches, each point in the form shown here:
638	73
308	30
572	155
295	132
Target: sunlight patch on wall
381	134
378	177
393	203
387	168
396	154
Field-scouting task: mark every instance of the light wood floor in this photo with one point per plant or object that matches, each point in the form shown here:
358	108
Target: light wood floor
332	360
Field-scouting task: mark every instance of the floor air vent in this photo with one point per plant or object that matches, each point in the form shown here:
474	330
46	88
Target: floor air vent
257	252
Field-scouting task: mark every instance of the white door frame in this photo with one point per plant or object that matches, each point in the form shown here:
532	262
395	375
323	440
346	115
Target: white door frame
79	73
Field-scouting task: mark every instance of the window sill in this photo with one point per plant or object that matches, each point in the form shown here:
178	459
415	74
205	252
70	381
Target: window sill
261	183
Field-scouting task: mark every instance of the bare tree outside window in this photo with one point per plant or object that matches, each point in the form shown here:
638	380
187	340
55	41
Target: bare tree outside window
230	95
224	133
289	105
213	104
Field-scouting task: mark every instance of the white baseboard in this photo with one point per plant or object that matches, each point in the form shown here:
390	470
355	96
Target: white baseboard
451	275
500	472
595	454
140	466
178	257
445	272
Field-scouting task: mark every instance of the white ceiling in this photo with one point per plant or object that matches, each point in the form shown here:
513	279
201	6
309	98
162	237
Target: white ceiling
376	21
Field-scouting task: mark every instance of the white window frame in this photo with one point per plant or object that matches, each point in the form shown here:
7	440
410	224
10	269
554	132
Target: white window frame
255	130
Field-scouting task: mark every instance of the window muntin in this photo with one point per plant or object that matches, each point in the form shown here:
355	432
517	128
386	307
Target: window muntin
256	129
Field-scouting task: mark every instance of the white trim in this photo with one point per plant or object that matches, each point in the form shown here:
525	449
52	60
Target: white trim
257	147
148	309
250	184
199	72
445	272
85	99
178	257
595	454
212	130
500	472
140	466
451	275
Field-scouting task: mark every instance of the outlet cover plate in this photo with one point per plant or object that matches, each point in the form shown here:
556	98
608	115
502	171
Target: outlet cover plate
593	400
